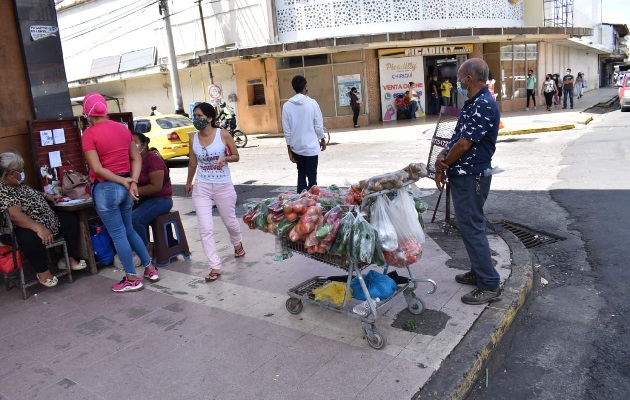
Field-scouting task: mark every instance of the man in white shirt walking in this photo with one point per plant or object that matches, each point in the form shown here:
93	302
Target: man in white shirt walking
303	127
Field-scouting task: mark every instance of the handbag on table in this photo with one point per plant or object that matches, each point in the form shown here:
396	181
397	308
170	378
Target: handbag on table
74	184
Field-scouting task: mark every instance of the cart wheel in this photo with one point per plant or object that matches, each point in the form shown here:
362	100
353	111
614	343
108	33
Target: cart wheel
294	306
414	304
375	339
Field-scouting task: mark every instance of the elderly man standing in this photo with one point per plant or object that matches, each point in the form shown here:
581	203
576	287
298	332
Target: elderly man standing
303	127
466	161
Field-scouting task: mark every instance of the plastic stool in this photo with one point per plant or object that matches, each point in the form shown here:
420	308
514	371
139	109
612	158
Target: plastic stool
168	242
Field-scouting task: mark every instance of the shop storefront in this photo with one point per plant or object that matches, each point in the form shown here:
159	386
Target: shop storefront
400	66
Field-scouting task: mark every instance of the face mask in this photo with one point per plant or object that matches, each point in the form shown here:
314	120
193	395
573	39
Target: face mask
22	176
461	90
200	124
529	74
139	147
568	72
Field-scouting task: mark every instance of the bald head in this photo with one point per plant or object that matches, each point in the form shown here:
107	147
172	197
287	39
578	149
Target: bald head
476	68
472	76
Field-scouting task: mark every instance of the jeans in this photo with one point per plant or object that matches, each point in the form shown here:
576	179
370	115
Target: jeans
567	93
446	100
579	89
113	205
355	115
413	108
224	196
468	205
307	170
530	93
34	250
434	104
146	212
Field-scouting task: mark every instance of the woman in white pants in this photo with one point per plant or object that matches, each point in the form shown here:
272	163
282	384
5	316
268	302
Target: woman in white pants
210	152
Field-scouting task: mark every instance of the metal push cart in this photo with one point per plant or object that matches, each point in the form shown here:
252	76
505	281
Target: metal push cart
303	293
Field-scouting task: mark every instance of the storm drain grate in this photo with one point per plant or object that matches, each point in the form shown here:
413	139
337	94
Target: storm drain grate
529	237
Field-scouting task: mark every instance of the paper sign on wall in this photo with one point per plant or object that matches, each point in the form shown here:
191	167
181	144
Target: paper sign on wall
46	138
55	158
59	136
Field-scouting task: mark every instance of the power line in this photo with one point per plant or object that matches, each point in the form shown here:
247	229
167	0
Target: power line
109	15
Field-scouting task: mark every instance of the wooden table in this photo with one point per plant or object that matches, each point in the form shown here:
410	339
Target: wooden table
84	209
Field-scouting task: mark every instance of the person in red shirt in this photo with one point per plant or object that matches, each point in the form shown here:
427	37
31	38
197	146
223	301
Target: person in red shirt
154	188
115	165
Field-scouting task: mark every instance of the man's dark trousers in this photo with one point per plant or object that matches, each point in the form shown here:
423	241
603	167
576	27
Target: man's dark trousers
472	225
307	171
567	93
434	104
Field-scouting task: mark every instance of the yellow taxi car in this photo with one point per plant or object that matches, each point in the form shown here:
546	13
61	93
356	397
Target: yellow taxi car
168	132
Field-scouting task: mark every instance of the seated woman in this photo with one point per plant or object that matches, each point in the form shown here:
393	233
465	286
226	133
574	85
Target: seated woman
35	223
154	187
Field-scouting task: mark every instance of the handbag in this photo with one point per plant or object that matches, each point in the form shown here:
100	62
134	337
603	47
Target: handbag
73	184
7	264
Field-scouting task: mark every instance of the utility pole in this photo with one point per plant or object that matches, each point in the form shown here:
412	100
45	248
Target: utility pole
205	40
172	60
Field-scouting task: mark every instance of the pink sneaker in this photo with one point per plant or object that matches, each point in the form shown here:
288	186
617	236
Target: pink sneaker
125	285
152	275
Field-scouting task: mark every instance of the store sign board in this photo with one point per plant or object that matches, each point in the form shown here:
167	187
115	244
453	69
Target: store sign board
427	51
395	74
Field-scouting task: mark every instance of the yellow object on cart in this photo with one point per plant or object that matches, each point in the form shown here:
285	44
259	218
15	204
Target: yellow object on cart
333	291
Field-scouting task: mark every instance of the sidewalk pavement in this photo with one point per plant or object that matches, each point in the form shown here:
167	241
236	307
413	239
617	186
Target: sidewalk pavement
515	122
234	338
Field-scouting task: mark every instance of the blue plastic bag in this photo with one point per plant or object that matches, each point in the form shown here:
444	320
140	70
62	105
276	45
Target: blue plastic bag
102	244
378	285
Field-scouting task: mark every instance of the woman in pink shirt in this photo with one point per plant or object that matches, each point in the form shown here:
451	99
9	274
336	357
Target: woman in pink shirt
115	163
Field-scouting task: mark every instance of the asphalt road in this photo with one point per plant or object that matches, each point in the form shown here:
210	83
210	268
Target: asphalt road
571	340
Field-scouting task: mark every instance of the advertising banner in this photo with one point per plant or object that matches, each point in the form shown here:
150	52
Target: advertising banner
344	83
396	73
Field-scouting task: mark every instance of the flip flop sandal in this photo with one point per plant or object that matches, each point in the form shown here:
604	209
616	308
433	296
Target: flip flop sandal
239	251
213	276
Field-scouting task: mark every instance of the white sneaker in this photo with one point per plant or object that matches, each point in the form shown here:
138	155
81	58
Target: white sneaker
534	107
526	108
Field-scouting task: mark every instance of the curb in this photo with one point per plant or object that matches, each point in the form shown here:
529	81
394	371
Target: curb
504	131
463	367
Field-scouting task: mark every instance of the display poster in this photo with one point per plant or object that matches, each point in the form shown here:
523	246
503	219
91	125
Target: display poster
344	83
395	74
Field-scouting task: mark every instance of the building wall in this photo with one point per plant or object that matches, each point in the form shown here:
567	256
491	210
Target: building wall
309	19
258	118
120	26
373	87
14	96
138	95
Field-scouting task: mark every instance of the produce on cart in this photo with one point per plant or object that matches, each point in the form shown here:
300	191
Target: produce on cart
374	222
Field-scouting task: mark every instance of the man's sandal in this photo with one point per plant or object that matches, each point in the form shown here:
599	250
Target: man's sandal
239	251
213	276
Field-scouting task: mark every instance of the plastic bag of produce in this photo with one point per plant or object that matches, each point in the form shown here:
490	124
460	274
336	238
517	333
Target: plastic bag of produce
340	243
383	225
406	207
333	292
378	285
362	241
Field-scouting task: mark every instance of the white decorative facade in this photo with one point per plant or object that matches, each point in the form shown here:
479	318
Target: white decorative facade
314	19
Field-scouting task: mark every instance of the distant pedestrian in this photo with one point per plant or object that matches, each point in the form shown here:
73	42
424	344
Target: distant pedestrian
579	84
549	90
445	91
466	161
531	88
556	78
567	88
412	98
303	126
211	149
434	96
355	104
